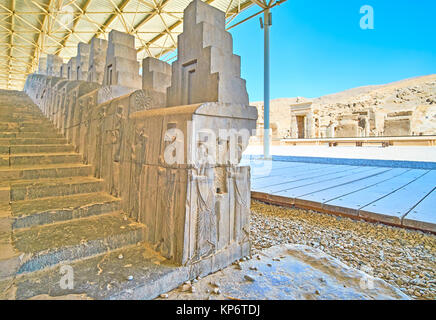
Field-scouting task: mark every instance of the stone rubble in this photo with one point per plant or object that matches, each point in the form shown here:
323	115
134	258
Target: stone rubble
125	127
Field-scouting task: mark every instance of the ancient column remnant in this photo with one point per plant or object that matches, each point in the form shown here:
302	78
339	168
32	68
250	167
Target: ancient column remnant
97	60
54	64
82	61
122	67
206	68
398	123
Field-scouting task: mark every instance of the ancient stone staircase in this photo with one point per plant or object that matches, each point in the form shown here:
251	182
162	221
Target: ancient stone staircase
52	210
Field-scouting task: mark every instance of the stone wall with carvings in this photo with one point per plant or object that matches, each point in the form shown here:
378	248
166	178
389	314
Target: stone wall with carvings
193	211
174	166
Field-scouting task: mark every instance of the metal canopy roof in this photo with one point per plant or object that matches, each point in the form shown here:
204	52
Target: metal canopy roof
33	28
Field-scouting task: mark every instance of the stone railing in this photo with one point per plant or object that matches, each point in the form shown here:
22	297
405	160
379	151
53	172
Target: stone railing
174	166
195	210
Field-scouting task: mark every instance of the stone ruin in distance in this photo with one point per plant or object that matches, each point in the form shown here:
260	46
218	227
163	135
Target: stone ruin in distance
196	210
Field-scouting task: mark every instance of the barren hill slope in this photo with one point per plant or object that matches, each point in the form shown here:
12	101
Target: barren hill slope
414	99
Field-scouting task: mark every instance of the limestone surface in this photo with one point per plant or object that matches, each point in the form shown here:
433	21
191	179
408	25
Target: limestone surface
82	61
206	68
97	60
54	64
288	272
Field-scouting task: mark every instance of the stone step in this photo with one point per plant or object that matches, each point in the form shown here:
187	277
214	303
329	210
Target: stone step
22	118
45	148
19	135
51	148
49	245
61	170
106	277
27	123
40	126
31	141
42	188
43	211
39	158
19	111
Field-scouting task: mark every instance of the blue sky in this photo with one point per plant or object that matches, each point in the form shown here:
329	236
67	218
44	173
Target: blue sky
318	47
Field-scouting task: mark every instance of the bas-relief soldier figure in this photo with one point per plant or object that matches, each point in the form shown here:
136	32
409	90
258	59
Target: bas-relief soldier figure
99	139
138	152
116	140
194	191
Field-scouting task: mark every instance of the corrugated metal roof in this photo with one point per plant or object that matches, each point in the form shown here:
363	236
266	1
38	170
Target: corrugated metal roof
33	28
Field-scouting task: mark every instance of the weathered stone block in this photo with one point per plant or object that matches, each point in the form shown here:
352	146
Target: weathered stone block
206	70
64	70
82	61
120	69
121	38
54	64
97	60
156	74
397	127
42	65
72	69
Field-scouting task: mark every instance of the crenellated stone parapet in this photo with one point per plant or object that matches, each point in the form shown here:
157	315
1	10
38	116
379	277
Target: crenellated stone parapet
206	68
54	64
42	65
97	60
82	61
72	69
172	160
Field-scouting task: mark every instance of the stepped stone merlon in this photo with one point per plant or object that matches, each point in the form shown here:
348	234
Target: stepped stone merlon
156	78
64	70
42	65
71	70
122	67
196	208
82	61
156	74
54	64
206	70
97	60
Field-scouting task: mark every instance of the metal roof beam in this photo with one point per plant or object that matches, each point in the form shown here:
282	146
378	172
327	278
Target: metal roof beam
112	17
149	16
40	39
11	40
73	28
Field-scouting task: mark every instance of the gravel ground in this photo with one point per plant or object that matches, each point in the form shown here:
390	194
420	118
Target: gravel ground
404	258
